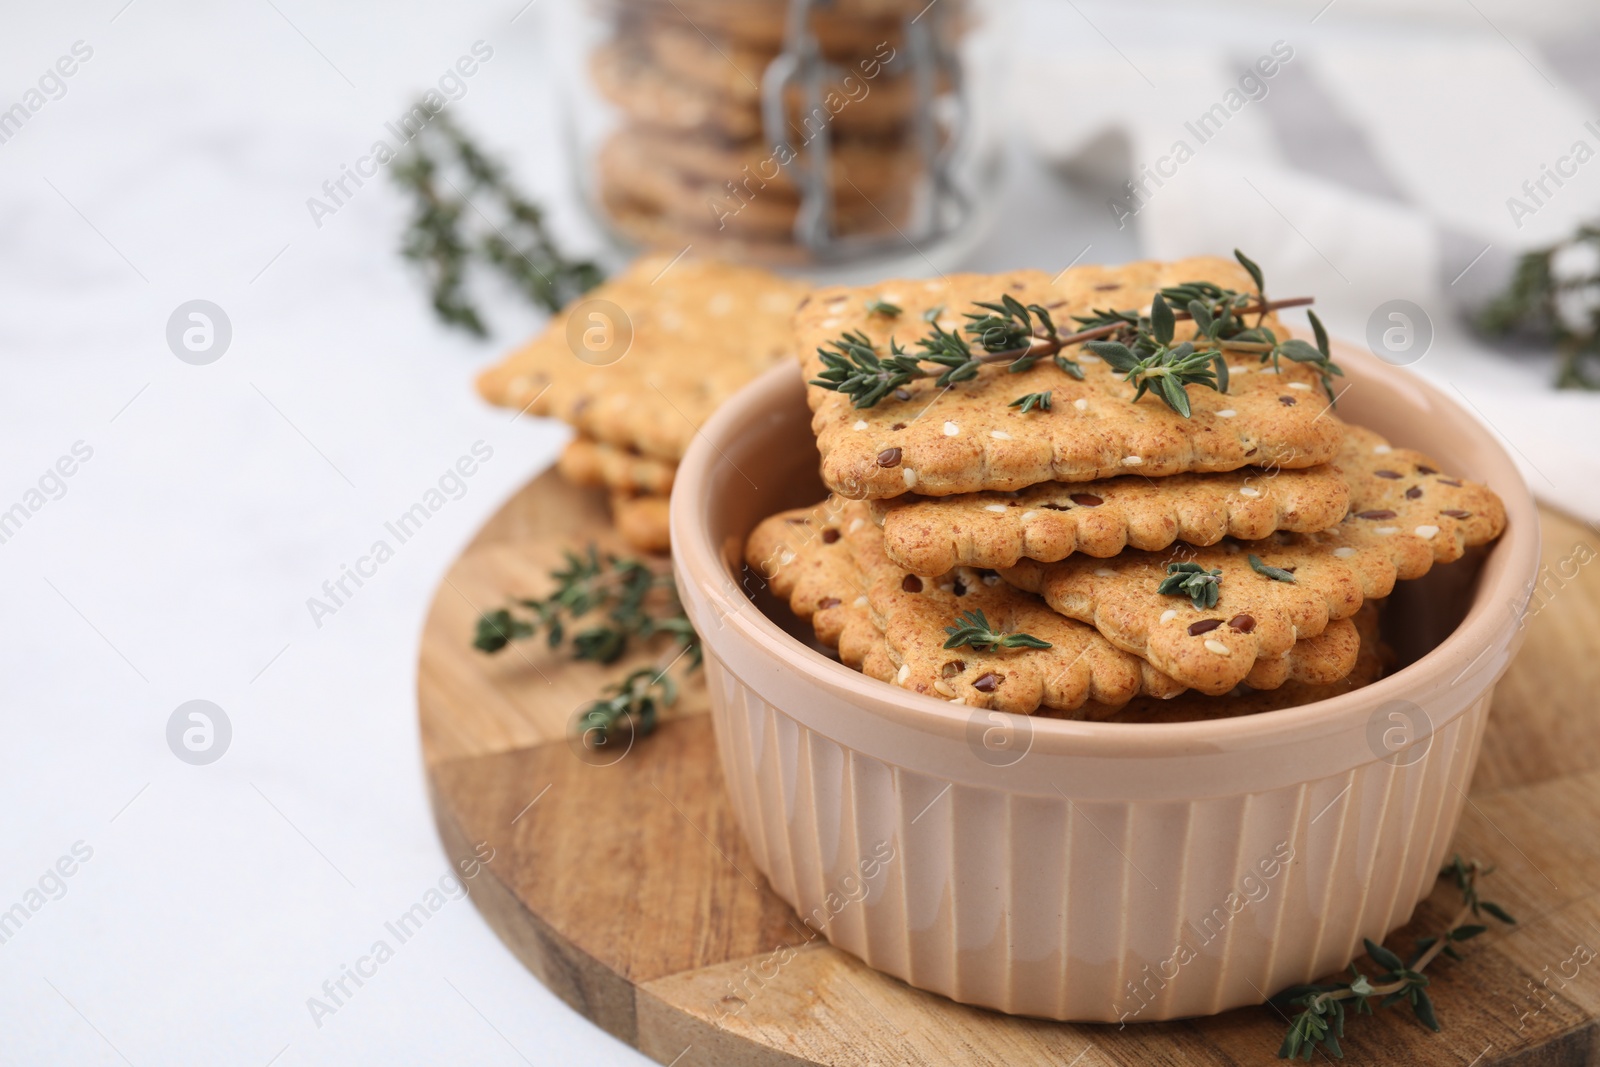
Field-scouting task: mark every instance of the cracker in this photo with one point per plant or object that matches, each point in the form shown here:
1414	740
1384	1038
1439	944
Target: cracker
858	168
841	27
912	615
628	172
802	556
966	438
642	521
625	74
586	462
1372	661
701	330
1051	521
1405	516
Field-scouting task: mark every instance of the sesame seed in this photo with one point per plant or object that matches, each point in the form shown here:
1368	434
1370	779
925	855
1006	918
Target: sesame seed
1133	461
830	322
1103	572
856	523
1081	404
1387	530
910	477
1302	386
1383	450
905	672
1343	552
1426	532
951	429
786	559
1213	645
861	424
861	601
957	700
1239	370
997	508
1000	434
1249	491
1226	413
1169	614
1089	357
1026	515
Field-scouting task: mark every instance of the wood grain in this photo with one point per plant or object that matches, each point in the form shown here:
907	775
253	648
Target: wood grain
628	890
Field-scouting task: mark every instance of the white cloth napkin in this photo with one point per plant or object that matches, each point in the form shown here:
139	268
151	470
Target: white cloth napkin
1367	167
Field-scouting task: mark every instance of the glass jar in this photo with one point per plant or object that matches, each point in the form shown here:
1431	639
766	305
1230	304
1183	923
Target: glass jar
840	137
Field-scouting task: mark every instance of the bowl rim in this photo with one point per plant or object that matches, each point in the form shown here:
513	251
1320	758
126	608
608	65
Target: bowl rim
1505	582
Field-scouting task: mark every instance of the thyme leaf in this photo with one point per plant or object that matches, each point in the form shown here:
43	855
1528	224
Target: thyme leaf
972	630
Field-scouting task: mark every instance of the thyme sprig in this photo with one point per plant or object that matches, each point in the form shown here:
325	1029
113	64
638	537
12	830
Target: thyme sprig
1006	331
478	216
1029	401
1201	586
638	697
1277	574
634	601
631	603
973	631
1320	1021
1549	302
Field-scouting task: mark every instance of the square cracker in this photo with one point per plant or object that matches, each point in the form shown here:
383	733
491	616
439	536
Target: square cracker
1405	516
966	438
1373	659
890	624
700	331
1051	521
595	463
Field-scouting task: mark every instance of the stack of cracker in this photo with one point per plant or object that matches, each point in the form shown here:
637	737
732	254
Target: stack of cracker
1061	524
638	364
692	161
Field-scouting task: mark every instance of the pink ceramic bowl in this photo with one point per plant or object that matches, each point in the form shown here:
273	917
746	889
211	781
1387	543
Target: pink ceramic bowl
1084	870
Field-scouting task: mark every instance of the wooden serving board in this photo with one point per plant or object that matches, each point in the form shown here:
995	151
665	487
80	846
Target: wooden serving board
623	882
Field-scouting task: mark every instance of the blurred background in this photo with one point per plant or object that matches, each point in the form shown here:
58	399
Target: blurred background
223	378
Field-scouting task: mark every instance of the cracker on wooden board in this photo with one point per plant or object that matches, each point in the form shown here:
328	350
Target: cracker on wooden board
595	463
642	521
701	329
1373	660
1405	516
1053	520
966	438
